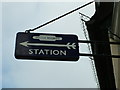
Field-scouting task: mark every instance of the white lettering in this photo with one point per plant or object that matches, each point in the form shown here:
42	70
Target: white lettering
30	51
41	52
36	51
63	52
47	52
55	52
50	52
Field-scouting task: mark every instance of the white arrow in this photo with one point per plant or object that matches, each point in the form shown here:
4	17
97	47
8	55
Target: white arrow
26	44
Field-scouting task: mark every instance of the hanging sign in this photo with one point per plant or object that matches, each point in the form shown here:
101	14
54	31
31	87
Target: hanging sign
41	46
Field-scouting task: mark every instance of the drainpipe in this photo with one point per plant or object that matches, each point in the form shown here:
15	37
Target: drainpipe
98	31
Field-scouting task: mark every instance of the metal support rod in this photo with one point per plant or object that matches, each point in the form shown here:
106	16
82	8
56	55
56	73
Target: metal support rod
94	42
84	15
59	17
112	56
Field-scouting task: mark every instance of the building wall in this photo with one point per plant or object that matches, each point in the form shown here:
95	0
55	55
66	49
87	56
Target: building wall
119	70
115	49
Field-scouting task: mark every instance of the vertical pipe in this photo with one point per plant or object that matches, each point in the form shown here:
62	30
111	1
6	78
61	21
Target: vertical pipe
98	31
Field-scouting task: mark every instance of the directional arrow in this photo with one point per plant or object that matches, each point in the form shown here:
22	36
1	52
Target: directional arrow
26	44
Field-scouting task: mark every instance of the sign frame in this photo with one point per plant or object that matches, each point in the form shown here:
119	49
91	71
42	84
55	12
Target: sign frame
46	46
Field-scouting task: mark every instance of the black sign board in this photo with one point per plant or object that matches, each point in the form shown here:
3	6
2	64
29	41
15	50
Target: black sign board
41	46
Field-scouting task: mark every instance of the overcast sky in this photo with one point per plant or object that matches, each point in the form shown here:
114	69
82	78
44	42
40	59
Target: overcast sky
19	16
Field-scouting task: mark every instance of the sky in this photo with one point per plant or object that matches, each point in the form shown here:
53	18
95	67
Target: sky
19	16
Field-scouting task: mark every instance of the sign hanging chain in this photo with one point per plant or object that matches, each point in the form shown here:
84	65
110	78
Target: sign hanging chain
83	17
58	17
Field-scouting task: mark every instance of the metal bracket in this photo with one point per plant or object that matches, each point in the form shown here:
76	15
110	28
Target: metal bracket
99	42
